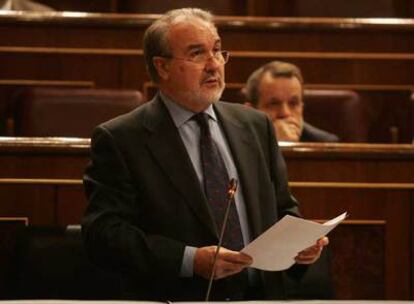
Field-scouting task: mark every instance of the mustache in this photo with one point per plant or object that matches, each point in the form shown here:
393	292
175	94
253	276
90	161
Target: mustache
212	77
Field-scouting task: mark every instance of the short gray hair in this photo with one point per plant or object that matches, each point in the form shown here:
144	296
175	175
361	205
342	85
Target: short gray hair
155	37
276	69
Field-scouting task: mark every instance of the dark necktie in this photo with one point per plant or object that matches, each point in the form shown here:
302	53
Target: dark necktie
216	181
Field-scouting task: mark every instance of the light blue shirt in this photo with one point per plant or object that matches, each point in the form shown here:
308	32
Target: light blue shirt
190	134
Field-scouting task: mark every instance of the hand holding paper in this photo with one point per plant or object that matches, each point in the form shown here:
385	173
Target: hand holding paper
277	247
311	254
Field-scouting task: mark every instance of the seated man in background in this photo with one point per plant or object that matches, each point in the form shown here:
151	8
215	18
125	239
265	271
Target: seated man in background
277	89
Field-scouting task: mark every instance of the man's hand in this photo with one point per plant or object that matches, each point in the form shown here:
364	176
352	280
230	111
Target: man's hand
228	262
288	129
312	254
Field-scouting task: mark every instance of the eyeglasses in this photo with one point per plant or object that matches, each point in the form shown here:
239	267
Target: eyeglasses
221	56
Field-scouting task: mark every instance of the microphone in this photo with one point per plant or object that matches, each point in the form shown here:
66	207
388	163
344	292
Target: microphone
231	190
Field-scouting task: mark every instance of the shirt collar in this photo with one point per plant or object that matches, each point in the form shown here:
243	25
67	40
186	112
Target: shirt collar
181	115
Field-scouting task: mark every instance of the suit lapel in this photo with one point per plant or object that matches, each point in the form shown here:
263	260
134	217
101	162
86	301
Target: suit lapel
244	154
167	147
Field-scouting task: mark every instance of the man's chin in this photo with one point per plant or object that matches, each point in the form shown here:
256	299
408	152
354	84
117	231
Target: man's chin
201	98
212	97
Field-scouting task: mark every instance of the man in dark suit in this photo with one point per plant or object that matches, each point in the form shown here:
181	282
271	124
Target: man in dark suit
151	215
277	89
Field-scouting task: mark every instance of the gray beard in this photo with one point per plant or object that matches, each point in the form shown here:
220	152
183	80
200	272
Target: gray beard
202	98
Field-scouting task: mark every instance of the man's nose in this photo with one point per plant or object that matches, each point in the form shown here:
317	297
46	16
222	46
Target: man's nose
284	111
212	63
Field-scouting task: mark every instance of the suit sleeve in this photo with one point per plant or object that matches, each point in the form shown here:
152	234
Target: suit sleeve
286	203
111	231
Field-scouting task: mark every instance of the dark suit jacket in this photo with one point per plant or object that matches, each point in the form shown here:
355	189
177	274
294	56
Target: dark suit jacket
313	134
146	203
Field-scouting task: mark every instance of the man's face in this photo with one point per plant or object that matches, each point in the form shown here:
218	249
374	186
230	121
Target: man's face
193	85
281	97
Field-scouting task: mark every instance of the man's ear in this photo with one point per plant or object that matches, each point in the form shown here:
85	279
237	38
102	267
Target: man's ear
162	66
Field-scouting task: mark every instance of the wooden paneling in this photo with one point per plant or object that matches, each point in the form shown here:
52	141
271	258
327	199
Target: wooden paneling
219	7
376	188
41	176
263	39
100	6
70	205
372	185
363	253
105	50
344	8
300	8
319	68
358	261
36	202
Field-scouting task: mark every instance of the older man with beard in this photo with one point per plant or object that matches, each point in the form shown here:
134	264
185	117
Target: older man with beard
157	182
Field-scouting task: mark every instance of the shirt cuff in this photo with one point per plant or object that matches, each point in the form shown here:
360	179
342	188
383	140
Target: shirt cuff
187	265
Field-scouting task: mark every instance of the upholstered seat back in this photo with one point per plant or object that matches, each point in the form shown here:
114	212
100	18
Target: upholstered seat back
337	111
69	112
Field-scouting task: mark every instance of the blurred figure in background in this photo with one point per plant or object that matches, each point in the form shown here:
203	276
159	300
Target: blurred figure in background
277	89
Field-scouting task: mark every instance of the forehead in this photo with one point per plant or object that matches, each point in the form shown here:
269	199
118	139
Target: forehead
279	86
189	32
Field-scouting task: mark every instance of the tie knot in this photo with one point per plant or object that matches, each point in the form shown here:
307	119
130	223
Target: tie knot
202	120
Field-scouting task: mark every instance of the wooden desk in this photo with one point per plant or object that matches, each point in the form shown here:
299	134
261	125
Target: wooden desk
40	181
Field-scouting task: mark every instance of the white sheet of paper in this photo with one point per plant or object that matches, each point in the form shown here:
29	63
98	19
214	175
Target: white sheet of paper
278	246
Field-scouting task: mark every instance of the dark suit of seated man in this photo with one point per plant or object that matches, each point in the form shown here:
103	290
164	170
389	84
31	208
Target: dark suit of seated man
155	194
277	89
